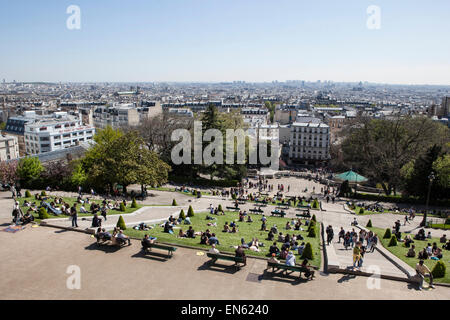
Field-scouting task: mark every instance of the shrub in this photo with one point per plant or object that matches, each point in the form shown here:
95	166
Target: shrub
190	212
393	242
133	203
121	223
315	204
233	196
312	232
438	270
182	214
314	218
174	203
219	208
43	194
447	221
361	210
311	225
387	234
369	224
122	207
27	194
43	213
307	252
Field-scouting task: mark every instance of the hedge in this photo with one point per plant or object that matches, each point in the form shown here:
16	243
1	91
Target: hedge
398	199
203	182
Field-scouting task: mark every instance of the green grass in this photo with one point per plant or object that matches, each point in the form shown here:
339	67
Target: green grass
366	212
400	251
71	201
441	226
246	230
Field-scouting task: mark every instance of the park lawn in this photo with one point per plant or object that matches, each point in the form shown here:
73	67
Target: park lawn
204	193
247	230
400	251
440	226
366	212
71	201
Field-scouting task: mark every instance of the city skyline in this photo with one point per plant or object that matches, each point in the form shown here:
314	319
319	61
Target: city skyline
217	41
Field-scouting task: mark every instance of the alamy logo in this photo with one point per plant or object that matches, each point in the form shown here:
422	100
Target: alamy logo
74	20
236	141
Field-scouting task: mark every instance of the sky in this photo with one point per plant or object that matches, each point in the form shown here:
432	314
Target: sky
225	40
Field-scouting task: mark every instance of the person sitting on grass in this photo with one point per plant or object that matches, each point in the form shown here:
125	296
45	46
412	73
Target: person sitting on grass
241	217
187	220
288	226
226	227
423	255
447	245
190	233
437	255
213	240
273	249
181	234
443	239
411	252
423	271
168	228
234	230
429	249
280	237
408	241
283	252
249	218
83	209
309	272
270	236
203	238
274	229
273	259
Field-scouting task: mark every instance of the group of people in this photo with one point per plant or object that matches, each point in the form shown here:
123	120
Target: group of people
351	239
116	238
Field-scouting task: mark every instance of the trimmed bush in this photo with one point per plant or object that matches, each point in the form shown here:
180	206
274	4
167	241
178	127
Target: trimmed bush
311	225
314	218
233	196
122	207
27	194
315	204
387	234
121	223
190	212
361	210
393	242
219	208
43	213
438	270
312	232
174	203
369	224
133	203
307	252
43	194
182	214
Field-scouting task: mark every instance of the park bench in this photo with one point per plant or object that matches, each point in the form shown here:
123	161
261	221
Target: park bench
284	207
278	213
304	214
285	268
233	208
256	210
303	207
215	257
170	249
261	205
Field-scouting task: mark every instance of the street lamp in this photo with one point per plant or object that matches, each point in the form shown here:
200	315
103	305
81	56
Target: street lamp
431	177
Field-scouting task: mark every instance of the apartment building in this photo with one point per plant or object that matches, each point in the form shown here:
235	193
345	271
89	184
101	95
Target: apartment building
309	142
9	147
60	131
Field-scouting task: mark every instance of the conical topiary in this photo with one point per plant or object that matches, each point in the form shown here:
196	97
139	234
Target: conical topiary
27	194
439	270
387	234
369	224
315	204
361	210
43	213
174	203
312	232
190	212
121	223
393	242
133	203
182	214
314	218
122	207
311	225
307	252
219	208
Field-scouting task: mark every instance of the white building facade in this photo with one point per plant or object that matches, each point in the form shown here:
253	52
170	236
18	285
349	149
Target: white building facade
309	143
9	148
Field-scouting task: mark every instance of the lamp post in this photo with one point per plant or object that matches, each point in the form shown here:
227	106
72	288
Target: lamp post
431	177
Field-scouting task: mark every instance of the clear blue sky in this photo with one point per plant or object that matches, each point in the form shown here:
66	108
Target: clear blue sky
225	40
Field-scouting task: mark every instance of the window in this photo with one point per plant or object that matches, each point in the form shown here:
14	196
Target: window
44	139
42	128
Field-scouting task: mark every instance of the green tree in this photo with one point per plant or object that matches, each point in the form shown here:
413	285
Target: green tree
190	212
182	214
439	270
369	224
133	203
387	234
43	213
307	252
174	202
122	207
393	241
121	223
29	171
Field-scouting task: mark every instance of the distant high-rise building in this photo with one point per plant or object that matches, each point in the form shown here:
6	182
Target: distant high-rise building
445	107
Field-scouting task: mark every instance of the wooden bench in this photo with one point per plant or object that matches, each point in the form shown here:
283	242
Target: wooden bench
261	205
215	257
233	208
284	207
303	207
285	268
303	215
256	210
278	213
170	249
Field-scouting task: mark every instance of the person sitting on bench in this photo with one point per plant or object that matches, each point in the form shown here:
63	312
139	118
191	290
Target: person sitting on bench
27	218
411	252
213	250
290	259
273	259
123	238
147	242
309	273
423	271
240	253
273	249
